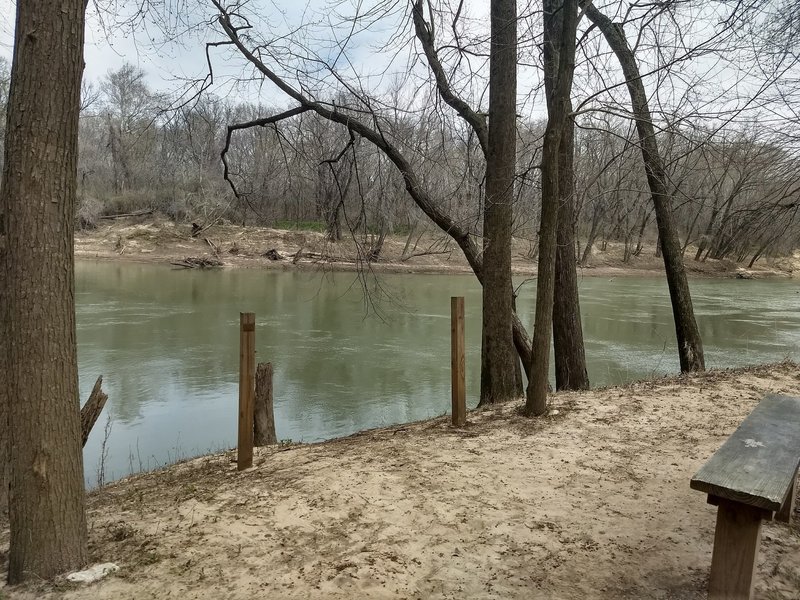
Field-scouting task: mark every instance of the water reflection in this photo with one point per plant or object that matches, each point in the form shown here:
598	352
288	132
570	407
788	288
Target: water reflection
166	342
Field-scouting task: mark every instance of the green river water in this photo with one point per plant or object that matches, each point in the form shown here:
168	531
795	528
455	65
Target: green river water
166	342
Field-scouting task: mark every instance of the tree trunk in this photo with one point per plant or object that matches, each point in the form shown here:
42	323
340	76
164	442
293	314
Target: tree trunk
640	237
376	245
569	352
498	380
692	225
597	215
704	240
46	504
411	232
690	346
761	250
720	242
113	145
5	334
559	64
264	416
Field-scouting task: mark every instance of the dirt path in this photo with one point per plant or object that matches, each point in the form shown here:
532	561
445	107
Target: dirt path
145	239
590	502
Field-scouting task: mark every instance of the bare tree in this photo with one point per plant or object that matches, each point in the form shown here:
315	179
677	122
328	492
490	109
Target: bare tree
376	134
559	60
690	346
129	108
498	377
568	347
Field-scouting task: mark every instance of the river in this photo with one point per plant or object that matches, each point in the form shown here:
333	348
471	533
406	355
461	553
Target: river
166	342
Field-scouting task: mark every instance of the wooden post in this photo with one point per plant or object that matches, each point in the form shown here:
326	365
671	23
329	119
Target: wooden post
264	433
247	380
458	361
736	541
786	511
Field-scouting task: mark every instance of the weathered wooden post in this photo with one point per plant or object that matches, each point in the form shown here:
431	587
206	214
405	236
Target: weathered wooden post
787	510
458	361
263	413
247	381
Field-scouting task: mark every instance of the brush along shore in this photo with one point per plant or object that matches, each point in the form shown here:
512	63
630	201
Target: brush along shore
156	240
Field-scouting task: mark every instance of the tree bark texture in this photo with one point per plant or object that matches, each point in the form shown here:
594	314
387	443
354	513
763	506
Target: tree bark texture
690	345
5	426
569	352
46	503
559	66
498	374
264	416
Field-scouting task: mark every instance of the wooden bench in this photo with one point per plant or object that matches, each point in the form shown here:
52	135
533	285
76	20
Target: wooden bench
751	476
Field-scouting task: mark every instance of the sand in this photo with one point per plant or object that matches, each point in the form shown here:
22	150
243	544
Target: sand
592	501
157	240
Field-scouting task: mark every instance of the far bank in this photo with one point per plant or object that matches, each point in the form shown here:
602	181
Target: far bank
157	240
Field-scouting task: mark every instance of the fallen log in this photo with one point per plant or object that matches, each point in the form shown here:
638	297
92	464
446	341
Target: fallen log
92	409
193	262
138	213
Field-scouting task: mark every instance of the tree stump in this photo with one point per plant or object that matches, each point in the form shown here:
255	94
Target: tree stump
92	409
264	423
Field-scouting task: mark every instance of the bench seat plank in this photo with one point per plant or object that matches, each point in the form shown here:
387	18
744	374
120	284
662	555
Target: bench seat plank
758	462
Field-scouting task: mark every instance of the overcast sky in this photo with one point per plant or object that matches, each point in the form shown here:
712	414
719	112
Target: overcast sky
101	53
169	65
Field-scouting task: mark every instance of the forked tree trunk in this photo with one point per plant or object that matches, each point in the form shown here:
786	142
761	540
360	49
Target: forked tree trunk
559	61
46	503
690	346
569	352
498	374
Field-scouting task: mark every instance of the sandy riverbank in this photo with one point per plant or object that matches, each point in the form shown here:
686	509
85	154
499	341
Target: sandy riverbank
156	240
591	502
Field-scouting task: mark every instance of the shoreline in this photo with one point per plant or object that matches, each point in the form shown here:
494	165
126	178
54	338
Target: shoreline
591	501
154	241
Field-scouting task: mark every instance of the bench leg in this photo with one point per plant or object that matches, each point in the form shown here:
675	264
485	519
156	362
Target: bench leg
785	513
736	542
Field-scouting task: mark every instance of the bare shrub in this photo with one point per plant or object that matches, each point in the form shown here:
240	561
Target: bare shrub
88	213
